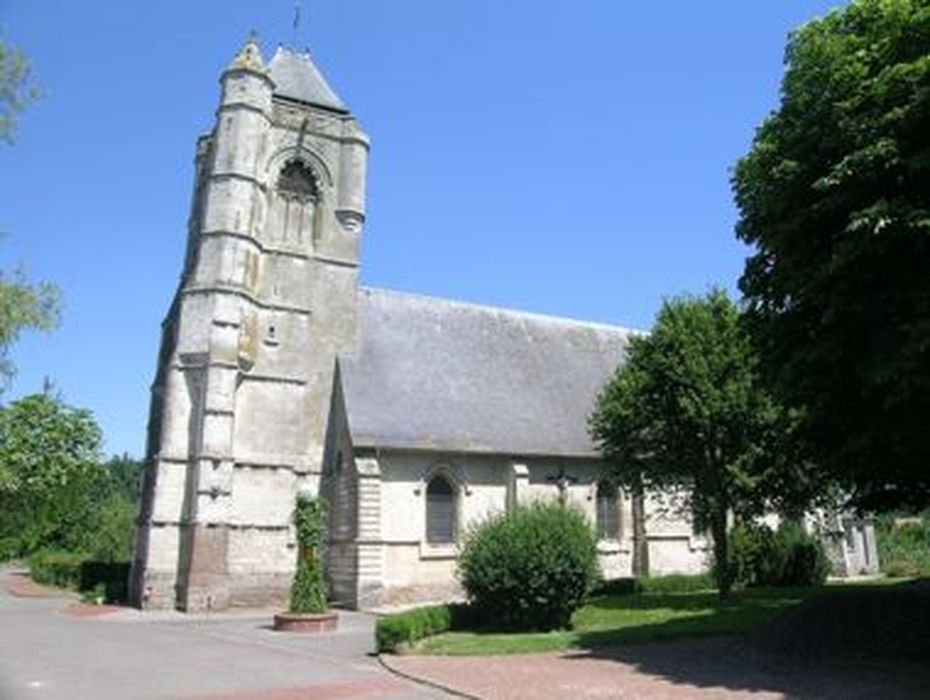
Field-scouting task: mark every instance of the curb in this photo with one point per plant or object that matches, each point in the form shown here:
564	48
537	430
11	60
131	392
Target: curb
424	682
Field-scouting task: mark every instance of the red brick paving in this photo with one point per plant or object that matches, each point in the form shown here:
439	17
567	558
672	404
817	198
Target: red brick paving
20	585
382	687
554	676
709	668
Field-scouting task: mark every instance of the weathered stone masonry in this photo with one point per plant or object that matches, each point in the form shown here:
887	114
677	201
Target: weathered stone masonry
266	300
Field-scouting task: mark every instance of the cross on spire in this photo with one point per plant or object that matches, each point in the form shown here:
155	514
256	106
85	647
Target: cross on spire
296	23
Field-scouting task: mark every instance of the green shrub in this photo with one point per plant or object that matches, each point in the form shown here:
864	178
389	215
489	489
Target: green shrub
677	583
392	632
407	628
113	529
669	583
899	568
9	547
783	558
618	586
807	563
56	568
904	549
95	595
81	572
111	577
308	591
757	557
531	567
90	516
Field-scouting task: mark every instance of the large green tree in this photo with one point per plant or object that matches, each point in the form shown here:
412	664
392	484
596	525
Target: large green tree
23	304
835	197
50	475
686	412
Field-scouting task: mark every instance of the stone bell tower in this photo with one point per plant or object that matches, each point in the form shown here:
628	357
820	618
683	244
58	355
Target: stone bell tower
267	297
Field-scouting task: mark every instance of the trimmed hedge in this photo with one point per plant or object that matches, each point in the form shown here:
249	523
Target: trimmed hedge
670	583
678	583
77	570
618	586
404	629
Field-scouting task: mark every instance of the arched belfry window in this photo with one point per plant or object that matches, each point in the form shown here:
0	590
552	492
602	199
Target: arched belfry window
294	202
440	511
608	511
298	180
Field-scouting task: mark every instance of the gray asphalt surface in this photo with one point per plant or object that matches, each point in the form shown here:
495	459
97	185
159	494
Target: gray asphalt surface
47	654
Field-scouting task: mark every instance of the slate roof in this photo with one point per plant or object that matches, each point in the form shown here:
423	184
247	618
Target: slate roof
296	78
451	376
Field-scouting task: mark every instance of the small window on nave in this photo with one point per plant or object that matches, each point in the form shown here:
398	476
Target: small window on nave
298	180
440	511
608	511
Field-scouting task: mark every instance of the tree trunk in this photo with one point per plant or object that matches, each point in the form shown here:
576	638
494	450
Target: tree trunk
722	571
640	543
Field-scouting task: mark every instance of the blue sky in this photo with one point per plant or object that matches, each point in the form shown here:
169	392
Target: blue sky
564	158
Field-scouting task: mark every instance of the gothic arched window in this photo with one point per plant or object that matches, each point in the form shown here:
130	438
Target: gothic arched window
298	180
292	217
440	511
608	511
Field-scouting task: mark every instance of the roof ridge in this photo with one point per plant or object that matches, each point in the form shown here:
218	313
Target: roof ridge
564	320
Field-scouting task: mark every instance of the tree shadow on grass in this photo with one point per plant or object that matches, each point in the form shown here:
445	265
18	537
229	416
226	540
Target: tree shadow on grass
861	642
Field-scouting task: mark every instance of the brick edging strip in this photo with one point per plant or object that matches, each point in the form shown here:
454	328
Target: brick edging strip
422	681
21	585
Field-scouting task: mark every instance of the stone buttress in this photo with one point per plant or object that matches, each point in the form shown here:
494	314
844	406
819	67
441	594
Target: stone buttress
267	298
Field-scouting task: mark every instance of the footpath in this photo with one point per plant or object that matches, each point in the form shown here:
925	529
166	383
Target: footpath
53	647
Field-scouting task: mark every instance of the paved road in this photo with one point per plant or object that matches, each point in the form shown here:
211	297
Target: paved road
48	653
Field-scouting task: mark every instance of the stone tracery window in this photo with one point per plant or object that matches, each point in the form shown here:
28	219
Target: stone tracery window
293	205
608	511
298	180
440	511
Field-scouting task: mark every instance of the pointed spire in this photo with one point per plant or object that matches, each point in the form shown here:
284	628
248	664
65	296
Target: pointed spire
249	56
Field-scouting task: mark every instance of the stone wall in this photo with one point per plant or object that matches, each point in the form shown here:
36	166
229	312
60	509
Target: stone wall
406	568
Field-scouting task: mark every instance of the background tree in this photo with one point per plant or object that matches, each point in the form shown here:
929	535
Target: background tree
23	305
686	412
835	196
49	459
17	88
125	475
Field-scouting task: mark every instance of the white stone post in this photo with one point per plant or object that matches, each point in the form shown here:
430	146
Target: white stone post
369	540
518	484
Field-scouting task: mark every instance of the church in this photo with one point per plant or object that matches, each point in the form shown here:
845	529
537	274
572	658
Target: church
413	417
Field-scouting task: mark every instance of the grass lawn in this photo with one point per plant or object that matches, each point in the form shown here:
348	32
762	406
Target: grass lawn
612	620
